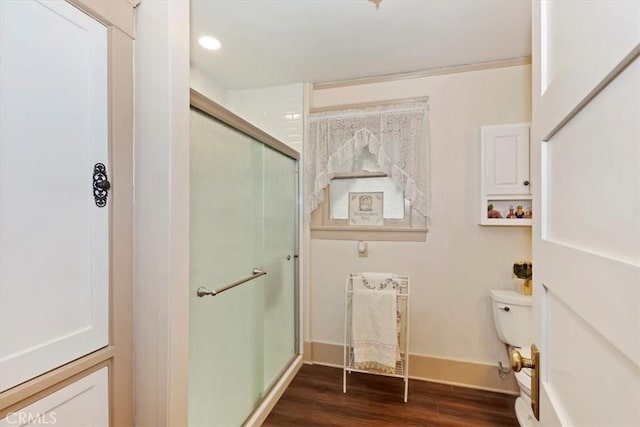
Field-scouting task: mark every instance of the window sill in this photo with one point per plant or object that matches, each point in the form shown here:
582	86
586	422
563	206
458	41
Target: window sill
388	234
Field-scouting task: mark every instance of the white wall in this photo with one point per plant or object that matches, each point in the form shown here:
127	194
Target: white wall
277	110
452	272
208	86
161	216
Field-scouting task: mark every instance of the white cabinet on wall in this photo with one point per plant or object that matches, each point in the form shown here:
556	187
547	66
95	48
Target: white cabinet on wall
505	186
54	232
83	403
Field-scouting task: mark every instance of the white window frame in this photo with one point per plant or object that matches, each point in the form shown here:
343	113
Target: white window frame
412	228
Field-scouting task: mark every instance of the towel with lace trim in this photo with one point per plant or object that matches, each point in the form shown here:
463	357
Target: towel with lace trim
375	321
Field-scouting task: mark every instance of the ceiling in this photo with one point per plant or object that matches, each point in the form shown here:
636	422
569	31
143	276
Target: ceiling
273	42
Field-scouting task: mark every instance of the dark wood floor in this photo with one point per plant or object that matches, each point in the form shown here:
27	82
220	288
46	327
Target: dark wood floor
315	398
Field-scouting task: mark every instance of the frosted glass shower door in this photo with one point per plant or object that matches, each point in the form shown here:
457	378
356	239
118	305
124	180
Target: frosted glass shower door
243	216
279	260
225	350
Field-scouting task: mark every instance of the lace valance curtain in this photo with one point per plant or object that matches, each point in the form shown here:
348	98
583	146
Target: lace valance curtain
396	135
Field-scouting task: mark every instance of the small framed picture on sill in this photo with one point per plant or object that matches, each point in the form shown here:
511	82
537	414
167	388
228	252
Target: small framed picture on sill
366	209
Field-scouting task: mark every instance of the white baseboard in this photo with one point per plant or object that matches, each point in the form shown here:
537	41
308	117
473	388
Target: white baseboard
307	352
481	376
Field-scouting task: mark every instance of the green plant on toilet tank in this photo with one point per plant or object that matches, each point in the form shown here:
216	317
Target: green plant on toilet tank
523	270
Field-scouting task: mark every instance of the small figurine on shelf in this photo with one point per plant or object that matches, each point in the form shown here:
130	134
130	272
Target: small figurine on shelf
492	213
511	214
520	212
529	214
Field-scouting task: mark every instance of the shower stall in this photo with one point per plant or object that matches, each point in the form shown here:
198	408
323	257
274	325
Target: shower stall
243	287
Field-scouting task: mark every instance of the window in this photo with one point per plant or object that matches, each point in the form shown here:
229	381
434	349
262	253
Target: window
400	221
393	201
333	221
367	178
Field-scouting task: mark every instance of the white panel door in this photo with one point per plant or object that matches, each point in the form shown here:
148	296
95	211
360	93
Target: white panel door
84	403
54	240
586	145
505	151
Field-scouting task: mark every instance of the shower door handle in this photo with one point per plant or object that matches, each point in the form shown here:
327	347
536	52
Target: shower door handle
203	292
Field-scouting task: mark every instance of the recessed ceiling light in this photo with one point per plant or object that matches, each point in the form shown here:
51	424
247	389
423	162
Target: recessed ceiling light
210	43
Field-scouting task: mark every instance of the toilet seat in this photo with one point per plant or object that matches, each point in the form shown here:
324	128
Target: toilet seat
524	382
524	376
524	413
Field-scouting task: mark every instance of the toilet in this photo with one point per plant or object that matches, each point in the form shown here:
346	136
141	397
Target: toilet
513	318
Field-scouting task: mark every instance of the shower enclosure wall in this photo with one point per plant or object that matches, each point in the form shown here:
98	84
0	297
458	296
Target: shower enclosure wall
243	220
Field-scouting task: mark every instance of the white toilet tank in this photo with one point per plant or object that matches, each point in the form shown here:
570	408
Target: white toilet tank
513	317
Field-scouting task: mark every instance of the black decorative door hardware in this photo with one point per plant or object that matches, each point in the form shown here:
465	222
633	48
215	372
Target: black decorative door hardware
101	185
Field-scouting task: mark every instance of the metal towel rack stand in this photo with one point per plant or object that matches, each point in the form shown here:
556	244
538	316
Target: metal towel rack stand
401	286
202	291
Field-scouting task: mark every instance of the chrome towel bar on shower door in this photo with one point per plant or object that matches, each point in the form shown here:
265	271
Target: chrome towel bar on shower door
202	291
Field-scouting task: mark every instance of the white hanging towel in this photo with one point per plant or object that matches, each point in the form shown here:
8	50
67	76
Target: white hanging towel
375	331
377	281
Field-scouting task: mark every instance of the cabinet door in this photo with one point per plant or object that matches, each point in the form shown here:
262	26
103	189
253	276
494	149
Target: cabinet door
506	159
84	403
54	239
